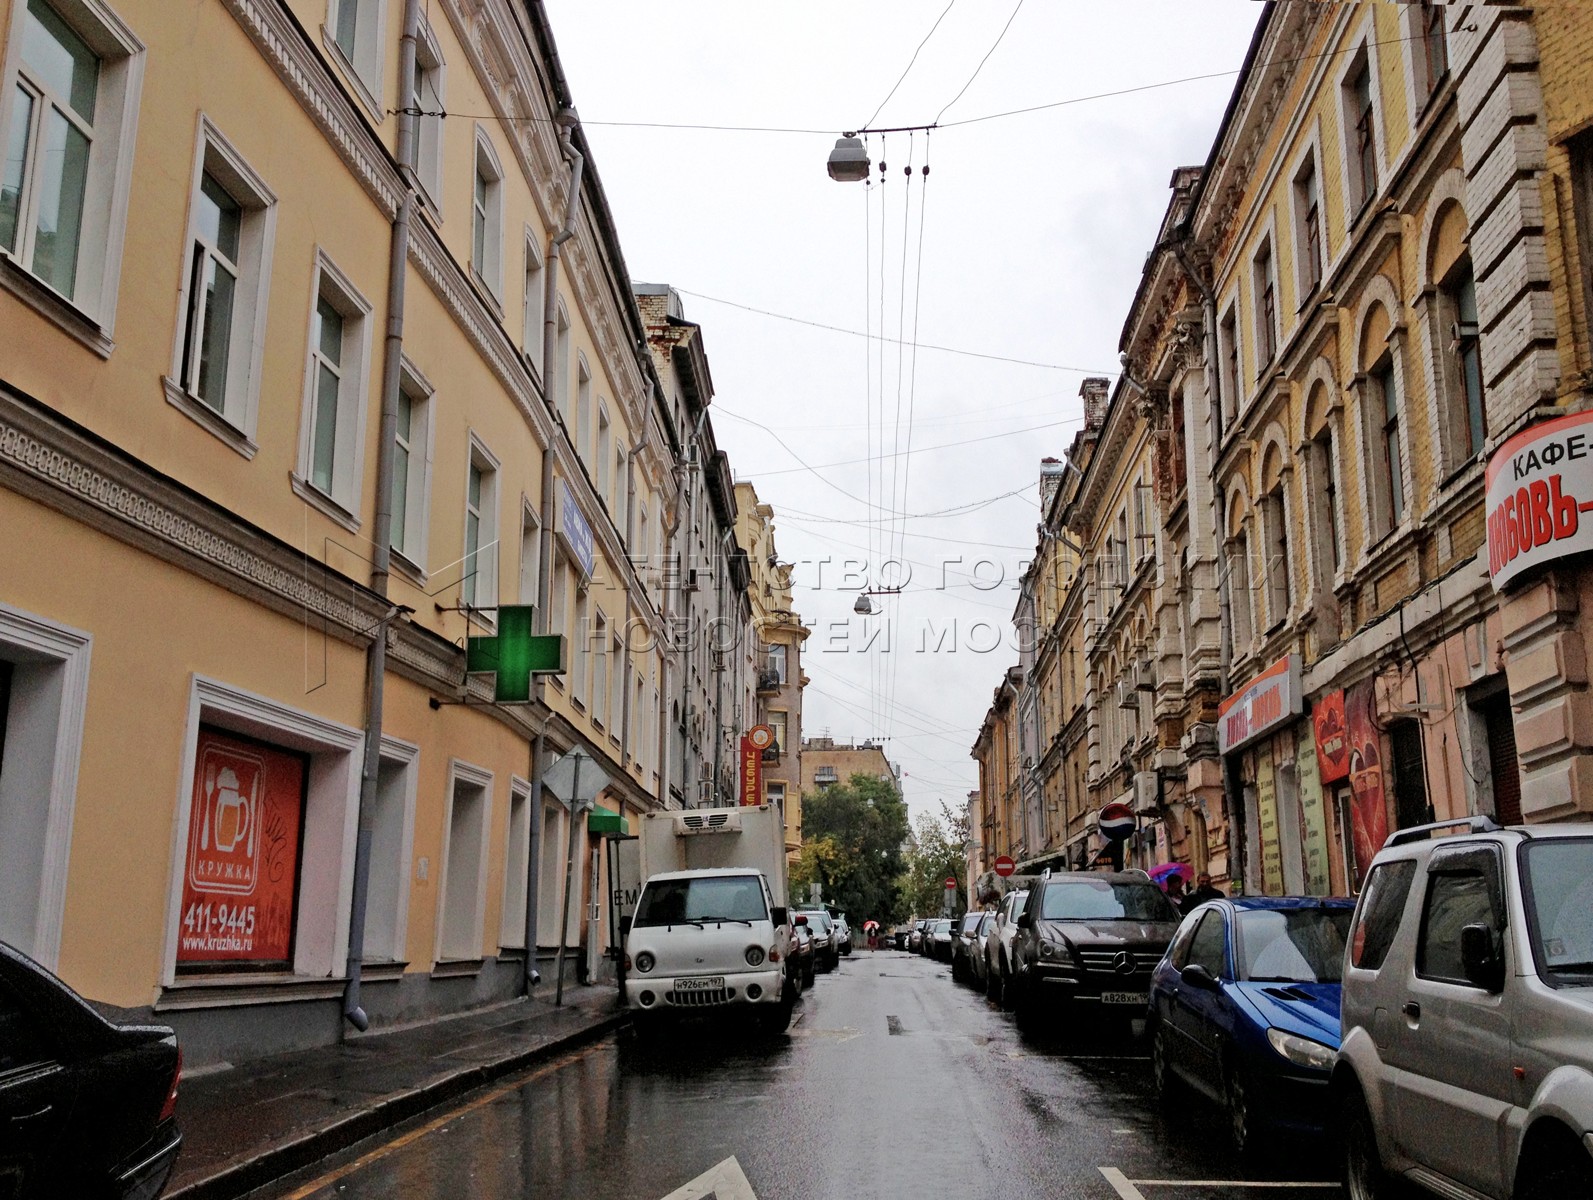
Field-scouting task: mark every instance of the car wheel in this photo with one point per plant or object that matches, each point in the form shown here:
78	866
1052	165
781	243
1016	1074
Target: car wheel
1167	1083
992	984
776	1020
808	975
1242	1116
1572	1175
1364	1177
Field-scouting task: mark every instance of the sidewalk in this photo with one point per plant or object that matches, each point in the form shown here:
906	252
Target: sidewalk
248	1125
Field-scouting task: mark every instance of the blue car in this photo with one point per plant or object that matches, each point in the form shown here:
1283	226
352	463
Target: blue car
1244	1010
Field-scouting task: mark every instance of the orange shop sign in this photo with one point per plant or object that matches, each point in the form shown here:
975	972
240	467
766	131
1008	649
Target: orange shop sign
1270	700
241	871
753	745
1540	496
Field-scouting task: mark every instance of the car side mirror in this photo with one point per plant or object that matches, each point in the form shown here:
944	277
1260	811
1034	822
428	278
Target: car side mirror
1023	921
1479	959
780	915
625	925
800	919
1197	975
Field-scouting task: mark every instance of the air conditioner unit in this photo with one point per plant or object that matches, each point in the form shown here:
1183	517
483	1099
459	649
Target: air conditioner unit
719	820
1145	678
1127	695
1147	793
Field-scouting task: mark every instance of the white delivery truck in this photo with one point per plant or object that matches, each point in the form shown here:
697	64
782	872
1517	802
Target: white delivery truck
711	933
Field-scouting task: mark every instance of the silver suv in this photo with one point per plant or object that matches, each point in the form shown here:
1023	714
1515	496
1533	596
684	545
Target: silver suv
1467	1015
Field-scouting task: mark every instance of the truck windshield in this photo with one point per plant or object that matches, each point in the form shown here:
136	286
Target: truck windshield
1559	887
709	898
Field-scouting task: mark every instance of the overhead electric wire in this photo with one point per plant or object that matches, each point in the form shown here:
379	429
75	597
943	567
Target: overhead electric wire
910	63
982	62
852	462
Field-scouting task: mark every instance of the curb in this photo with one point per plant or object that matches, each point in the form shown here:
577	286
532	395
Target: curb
255	1169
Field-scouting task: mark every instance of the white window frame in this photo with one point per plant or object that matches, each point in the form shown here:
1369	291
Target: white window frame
413	384
583	403
431	79
530	563
237	421
481	589
516	864
330	827
473	891
601	465
392	851
45	786
533	314
601	669
341	503
560	608
563	365
615	667
486	260
364	67
1310	164
779	657
90	314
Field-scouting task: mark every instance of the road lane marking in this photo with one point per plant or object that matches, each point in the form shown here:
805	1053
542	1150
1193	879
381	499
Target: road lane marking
432	1126
1121	1184
722	1181
1237	1183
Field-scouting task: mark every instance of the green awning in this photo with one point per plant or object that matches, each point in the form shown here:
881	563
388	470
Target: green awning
606	820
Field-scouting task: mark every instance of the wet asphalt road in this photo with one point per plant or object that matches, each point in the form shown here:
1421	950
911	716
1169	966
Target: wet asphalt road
894	1082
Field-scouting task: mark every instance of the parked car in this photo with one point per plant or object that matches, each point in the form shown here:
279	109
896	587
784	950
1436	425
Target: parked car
1467	1059
1244	1010
940	939
962	939
977	963
801	951
843	933
87	1108
826	954
998	948
1086	946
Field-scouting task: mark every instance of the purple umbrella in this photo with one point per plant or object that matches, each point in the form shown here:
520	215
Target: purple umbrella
1160	873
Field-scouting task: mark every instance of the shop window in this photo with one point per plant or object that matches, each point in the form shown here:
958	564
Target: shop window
550	874
1410	774
462	889
67	117
516	863
43	693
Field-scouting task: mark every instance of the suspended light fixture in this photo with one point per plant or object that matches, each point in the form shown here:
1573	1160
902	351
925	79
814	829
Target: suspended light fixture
849	160
864	606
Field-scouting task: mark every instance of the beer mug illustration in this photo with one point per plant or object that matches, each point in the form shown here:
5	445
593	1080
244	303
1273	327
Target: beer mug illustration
232	813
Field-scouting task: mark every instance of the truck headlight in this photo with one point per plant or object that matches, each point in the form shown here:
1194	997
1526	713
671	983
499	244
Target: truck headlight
1302	1051
645	962
754	956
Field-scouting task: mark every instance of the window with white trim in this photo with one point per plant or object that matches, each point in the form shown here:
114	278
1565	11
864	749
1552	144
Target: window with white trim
615	667
67	118
412	466
330	452
582	411
617	497
425	131
534	314
1382	404
1275	533
580	649
530	555
392	841
600	669
1309	249
516	862
559	611
486	217
1228	366
355	30
479	586
605	477
226	280
463	886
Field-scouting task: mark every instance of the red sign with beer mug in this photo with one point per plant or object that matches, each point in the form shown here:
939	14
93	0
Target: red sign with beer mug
241	871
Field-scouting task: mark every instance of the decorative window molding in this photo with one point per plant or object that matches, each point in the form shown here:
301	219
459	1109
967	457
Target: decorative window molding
225	402
38	796
412	468
331	817
462	882
535	305
516	866
354	37
101	120
337	370
392	852
486	218
479	575
431	77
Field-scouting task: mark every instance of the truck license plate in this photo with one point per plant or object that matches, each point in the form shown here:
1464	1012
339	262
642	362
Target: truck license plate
1140	998
714	983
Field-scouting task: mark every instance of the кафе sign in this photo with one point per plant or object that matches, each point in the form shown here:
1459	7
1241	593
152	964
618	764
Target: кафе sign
1269	701
1540	485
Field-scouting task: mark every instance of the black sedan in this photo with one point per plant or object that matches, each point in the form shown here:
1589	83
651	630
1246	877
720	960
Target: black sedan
87	1108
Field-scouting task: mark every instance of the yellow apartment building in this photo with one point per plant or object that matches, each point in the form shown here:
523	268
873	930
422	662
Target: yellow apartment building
302	385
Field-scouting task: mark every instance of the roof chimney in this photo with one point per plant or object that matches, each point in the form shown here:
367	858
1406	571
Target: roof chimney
1094	390
1051	472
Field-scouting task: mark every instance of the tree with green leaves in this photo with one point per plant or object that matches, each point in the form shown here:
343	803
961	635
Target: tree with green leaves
852	837
939	852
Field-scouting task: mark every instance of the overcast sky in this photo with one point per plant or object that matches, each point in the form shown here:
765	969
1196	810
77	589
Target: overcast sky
1034	228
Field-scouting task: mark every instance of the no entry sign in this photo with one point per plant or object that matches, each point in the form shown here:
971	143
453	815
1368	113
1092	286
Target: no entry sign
1117	821
1005	866
951	882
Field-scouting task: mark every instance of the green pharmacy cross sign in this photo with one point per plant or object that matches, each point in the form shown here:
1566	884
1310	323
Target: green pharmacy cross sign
515	655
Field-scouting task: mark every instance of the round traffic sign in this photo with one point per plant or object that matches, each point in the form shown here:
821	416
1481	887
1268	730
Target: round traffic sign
1005	866
951	882
1116	821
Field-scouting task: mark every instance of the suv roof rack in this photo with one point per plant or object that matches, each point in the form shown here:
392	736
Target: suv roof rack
1420	833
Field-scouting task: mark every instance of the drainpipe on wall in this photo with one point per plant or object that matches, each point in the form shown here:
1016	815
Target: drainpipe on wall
630	535
382	529
566	121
